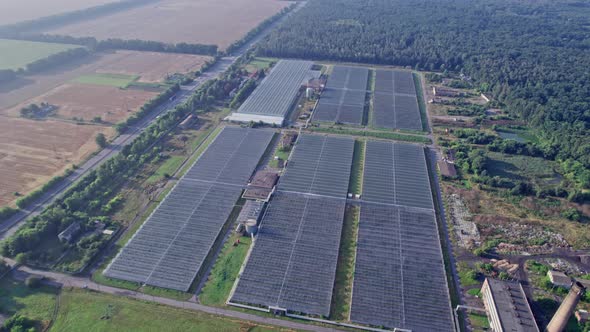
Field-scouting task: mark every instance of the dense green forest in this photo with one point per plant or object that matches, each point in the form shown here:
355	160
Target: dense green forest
532	56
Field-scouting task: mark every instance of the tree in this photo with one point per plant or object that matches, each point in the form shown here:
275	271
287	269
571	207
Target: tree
101	140
33	281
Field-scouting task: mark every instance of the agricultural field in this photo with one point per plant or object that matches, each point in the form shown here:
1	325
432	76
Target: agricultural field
24	10
32	152
216	22
151	67
116	80
87	101
17	54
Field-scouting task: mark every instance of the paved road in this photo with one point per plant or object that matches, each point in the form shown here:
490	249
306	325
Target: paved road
10	226
62	280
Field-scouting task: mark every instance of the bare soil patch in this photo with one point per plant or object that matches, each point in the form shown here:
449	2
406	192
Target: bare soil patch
32	152
217	22
87	101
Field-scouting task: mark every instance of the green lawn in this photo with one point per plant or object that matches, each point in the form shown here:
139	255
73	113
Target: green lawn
282	154
479	322
225	271
89	311
372	134
519	135
37	304
15	54
259	63
169	167
116	80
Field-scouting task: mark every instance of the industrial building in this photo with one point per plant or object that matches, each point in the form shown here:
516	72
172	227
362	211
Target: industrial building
261	185
249	216
559	278
272	100
507	306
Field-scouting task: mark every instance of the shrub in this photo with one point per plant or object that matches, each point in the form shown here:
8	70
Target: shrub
33	281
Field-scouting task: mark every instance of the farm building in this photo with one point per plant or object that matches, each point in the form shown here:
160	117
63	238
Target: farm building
188	122
261	185
507	306
559	278
70	232
250	215
272	100
447	169
444	92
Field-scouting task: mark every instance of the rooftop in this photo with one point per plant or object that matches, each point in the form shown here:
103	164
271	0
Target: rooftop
278	91
250	210
264	179
512	306
559	278
447	169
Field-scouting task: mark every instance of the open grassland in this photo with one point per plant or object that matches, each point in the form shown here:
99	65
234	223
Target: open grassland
24	10
217	22
115	80
15	54
37	304
88	311
31	152
151	67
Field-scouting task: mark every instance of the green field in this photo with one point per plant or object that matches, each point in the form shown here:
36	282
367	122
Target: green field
37	304
225	271
259	63
169	167
81	310
519	135
116	80
372	134
15	54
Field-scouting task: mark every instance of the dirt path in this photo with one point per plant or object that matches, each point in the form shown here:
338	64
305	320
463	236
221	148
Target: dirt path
62	280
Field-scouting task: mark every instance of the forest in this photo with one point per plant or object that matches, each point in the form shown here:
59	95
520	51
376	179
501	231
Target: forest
532	57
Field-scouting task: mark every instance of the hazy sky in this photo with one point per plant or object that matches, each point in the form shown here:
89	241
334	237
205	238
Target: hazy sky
12	11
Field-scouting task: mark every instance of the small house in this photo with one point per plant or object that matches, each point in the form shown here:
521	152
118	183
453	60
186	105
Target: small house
70	233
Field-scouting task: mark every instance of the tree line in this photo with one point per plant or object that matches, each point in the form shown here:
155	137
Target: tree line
532	57
254	32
